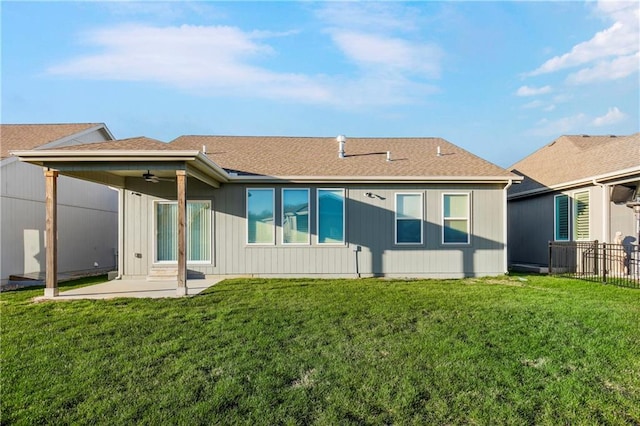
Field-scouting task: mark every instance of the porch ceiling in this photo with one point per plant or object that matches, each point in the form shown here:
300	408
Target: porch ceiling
116	168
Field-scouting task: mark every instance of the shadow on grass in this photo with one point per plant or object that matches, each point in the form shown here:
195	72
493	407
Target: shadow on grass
67	285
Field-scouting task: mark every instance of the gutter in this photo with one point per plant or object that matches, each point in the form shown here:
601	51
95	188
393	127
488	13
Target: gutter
369	179
505	227
606	217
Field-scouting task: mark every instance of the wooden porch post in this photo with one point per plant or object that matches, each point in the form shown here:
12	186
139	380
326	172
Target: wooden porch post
51	233
181	181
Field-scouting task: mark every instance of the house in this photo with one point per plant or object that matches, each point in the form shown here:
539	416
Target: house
88	212
297	206
575	189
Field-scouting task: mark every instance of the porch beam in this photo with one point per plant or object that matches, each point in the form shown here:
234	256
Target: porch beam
51	233
181	182
203	177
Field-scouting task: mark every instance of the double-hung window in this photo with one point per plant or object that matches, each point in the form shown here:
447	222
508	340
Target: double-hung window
260	216
295	216
561	218
581	216
455	219
330	216
409	218
198	231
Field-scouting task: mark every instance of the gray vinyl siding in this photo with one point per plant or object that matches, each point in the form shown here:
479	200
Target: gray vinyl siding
87	220
370	224
531	223
530	228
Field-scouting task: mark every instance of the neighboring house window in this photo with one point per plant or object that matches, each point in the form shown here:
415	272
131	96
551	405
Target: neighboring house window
409	218
330	216
260	216
581	215
561	215
295	216
198	231
455	229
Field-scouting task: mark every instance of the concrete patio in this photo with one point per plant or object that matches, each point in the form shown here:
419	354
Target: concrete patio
139	288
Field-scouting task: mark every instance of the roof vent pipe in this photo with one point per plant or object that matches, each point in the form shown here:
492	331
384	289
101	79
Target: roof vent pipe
439	154
342	139
204	149
388	155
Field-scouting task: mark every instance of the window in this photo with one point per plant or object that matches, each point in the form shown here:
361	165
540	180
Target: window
198	231
581	215
330	216
561	214
455	229
295	216
408	218
260	216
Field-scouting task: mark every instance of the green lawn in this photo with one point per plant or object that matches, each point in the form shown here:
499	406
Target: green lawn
510	350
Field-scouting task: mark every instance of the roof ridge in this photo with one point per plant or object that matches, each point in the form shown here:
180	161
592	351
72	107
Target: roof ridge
310	137
54	124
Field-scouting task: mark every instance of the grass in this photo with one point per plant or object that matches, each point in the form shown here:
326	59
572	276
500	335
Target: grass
532	350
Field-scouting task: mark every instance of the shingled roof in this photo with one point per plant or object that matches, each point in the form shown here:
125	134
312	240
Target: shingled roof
577	158
318	156
140	143
17	137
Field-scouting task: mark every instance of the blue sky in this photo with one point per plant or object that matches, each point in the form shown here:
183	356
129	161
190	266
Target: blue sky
500	79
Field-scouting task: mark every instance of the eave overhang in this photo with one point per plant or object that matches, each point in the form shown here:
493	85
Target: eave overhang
88	163
99	164
603	179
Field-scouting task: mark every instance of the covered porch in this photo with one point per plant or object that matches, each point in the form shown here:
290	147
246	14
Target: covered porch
125	169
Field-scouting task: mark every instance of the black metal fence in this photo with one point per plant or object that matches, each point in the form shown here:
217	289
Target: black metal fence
590	260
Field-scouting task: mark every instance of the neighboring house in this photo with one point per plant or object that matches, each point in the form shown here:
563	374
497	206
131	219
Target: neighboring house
295	207
88	212
575	189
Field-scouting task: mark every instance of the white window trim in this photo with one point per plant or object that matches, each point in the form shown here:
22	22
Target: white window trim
395	223
344	217
154	231
555	217
282	191
574	216
246	215
468	218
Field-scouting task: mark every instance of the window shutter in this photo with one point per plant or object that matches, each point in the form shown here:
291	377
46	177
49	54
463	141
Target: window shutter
562	218
581	216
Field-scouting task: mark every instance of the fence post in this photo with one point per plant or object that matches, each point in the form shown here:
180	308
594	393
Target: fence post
595	258
604	263
550	258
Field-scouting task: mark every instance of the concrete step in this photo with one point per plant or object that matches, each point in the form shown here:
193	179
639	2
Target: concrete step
163	274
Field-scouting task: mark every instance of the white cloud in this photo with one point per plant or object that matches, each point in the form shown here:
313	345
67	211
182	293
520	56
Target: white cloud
384	53
216	59
533	104
223	61
533	91
561	126
361	16
611	49
613	116
607	70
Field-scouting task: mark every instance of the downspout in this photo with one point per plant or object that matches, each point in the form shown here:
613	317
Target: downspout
121	192
605	210
505	226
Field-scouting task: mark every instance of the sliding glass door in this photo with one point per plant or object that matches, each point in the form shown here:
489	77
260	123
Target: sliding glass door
198	231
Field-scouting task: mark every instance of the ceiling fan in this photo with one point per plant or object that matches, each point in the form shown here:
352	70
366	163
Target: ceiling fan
150	177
